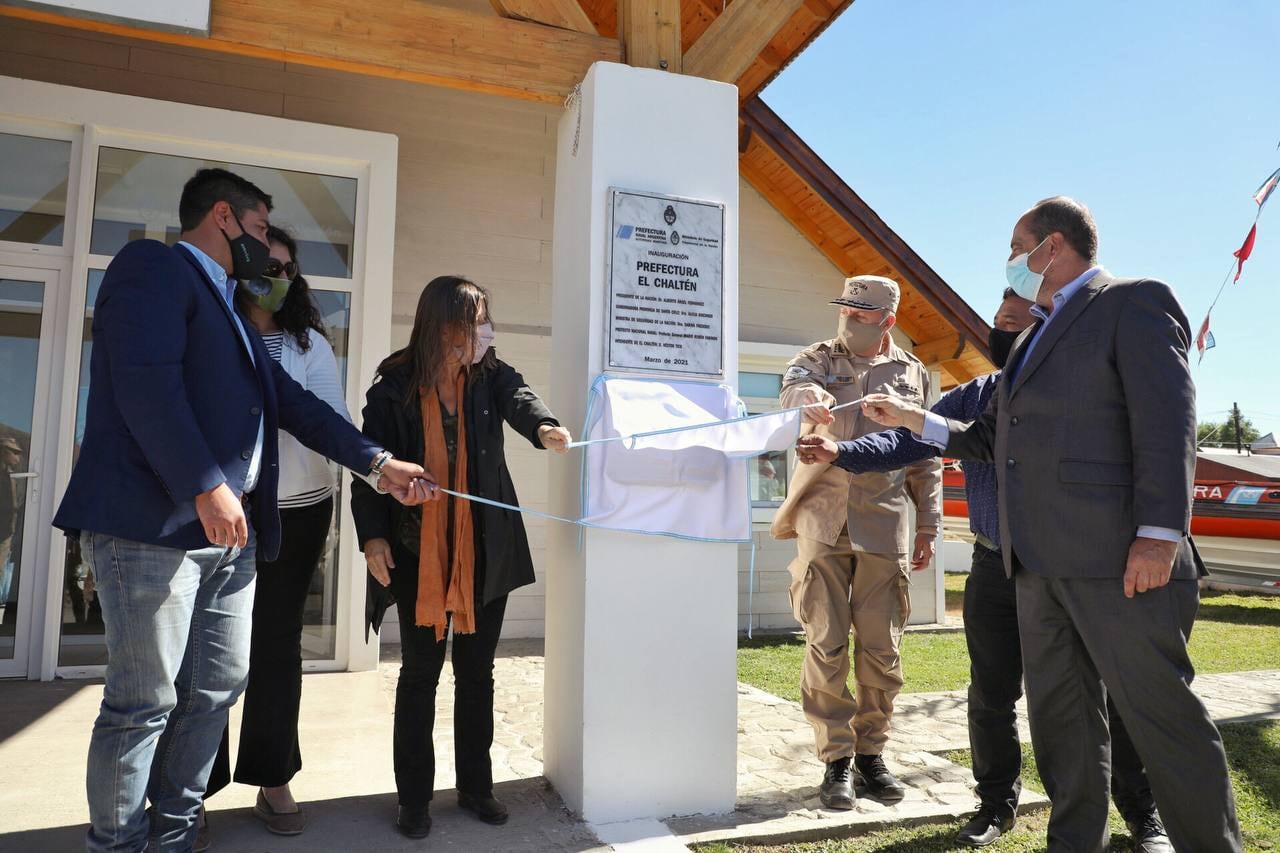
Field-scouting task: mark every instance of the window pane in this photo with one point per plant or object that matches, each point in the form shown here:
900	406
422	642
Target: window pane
137	196
320	613
21	307
82	642
769	479
335	308
34	174
759	385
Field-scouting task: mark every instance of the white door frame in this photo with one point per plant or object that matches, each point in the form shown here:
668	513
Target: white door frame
35	538
112	120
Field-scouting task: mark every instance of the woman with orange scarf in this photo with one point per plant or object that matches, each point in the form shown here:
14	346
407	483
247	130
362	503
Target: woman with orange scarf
442	401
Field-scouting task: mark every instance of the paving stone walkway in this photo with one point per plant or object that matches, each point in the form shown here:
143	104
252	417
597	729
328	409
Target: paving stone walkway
778	773
349	789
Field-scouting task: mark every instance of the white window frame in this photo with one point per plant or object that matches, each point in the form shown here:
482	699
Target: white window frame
93	119
63	132
758	357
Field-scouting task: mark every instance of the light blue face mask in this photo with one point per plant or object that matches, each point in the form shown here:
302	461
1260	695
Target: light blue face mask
1024	282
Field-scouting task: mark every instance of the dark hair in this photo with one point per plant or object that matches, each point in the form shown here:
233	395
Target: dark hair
207	187
1008	291
1069	218
299	311
448	304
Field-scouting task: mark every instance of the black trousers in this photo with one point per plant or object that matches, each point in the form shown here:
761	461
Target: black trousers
268	754
1085	644
422	659
995	685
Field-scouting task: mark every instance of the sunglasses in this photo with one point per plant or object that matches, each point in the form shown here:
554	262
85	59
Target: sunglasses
274	269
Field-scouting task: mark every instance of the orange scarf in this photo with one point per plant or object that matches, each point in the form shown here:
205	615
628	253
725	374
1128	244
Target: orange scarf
445	587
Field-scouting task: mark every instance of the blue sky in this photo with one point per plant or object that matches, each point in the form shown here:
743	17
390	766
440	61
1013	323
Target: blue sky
951	117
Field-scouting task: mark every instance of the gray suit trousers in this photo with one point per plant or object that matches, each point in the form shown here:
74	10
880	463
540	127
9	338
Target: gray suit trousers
1083	641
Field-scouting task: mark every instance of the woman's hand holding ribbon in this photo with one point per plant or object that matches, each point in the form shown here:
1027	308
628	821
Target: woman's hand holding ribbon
555	438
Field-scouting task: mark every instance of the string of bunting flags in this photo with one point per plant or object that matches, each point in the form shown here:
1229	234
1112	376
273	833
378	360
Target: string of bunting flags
1204	337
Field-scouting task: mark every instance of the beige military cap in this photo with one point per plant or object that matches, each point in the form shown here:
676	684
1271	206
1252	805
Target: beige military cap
870	292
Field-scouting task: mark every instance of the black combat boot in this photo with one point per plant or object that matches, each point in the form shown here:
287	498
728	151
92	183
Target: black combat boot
837	785
879	781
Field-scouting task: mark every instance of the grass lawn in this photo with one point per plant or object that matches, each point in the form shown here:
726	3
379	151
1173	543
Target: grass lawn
1253	750
1234	632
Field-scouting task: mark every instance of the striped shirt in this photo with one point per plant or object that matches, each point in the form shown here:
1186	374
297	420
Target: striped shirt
274	342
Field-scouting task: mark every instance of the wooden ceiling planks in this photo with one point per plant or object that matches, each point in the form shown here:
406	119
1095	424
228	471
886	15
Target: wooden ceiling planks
421	42
735	39
804	26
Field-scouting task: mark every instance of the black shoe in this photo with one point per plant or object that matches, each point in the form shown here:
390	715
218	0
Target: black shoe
1148	834
415	821
879	781
837	785
487	809
984	829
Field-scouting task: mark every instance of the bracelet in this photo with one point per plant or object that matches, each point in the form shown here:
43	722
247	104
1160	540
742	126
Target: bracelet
374	477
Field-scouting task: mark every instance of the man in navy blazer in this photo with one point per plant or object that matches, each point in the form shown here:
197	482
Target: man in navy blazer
174	489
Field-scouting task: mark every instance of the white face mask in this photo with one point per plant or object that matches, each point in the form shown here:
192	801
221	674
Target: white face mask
1024	282
484	340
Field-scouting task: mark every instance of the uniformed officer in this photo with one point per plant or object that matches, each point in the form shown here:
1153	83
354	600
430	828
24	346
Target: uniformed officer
854	541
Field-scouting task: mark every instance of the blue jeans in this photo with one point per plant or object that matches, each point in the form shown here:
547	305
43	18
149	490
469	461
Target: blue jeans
177	631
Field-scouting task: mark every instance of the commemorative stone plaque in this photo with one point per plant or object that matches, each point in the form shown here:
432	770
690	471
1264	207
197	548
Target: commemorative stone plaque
666	284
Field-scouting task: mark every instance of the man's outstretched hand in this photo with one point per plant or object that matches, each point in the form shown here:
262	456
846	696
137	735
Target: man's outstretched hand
817	405
409	483
818	449
893	412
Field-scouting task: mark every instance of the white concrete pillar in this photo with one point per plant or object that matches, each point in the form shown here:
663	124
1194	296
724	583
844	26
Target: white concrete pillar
641	702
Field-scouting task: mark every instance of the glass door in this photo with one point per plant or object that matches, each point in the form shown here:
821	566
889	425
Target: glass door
135	196
25	332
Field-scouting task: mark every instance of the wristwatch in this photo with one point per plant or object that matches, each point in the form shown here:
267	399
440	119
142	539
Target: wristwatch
374	477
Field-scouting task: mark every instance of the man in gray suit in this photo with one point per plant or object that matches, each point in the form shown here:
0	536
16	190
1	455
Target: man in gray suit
1092	431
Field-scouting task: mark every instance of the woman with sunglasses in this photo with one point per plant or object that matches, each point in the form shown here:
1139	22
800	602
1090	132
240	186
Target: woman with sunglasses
280	307
442	401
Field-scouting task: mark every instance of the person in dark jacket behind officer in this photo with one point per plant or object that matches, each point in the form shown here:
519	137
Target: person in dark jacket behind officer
442	401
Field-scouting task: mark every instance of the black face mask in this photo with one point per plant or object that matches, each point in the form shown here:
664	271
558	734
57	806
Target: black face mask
1001	342
249	255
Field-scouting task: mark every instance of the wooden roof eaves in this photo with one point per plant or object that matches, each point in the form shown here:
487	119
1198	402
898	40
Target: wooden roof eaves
782	66
840	197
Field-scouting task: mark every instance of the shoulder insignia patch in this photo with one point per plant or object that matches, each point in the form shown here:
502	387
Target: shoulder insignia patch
795	373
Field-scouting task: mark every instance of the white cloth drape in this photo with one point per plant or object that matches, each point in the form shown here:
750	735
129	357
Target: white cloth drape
687	482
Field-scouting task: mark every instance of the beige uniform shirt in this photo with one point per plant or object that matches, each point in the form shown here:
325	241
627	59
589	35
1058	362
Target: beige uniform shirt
822	499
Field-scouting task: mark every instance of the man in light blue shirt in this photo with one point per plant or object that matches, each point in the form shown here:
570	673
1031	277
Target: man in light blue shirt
1092	430
171	497
935	426
227	285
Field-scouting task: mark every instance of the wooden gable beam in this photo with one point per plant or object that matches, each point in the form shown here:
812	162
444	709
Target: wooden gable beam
735	38
415	41
818	238
650	34
563	14
774	133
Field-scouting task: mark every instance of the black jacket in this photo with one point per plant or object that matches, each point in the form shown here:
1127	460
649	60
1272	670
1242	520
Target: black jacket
503	561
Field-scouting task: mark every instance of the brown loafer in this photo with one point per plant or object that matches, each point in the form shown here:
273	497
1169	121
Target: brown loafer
281	823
